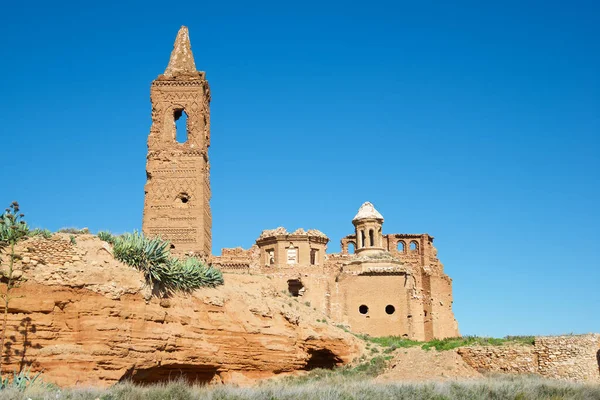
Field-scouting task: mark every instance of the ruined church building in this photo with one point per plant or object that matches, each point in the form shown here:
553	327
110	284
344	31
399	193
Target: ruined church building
380	284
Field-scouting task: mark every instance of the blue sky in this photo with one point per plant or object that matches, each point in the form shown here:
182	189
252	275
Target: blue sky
476	123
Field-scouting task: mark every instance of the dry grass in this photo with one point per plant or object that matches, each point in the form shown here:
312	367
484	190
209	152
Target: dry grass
504	387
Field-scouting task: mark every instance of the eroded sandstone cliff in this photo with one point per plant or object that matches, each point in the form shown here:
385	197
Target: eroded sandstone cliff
84	318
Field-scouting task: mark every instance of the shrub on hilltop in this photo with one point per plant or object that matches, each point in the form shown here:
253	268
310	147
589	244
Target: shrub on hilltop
160	269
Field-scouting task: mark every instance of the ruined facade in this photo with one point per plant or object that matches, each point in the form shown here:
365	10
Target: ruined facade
177	191
390	284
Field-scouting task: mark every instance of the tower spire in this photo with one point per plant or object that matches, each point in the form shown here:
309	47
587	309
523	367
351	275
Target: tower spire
182	59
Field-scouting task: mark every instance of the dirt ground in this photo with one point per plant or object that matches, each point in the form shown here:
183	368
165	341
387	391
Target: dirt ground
416	364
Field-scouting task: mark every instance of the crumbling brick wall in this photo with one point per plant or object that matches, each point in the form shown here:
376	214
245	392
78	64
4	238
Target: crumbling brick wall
516	359
573	357
236	259
58	250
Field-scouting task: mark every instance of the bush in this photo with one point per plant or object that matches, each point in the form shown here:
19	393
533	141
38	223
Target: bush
20	381
152	257
74	231
106	236
41	232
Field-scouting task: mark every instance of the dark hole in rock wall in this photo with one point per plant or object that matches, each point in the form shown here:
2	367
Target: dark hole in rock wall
598	360
295	287
321	358
193	374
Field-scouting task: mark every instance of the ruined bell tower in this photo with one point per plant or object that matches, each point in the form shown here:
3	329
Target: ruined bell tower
177	191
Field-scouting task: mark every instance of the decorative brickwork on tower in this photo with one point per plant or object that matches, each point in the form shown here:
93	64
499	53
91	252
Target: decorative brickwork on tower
177	191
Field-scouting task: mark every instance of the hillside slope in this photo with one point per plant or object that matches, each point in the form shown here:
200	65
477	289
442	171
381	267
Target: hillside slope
84	318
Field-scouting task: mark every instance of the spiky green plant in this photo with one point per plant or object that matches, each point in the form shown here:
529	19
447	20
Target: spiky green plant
20	380
192	273
45	233
166	273
149	255
106	236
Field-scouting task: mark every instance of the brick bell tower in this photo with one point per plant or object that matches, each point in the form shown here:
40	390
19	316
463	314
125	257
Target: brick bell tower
177	191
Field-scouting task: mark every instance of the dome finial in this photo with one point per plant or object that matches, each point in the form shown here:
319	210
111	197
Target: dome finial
367	211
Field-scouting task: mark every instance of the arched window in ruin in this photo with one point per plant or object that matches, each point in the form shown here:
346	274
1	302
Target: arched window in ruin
371	238
180	120
295	287
270	253
414	247
401	246
351	248
363	309
362	239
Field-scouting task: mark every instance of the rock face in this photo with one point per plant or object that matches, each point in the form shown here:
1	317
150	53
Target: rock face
68	322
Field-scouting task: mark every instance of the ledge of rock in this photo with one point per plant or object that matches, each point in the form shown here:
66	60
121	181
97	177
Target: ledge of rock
90	322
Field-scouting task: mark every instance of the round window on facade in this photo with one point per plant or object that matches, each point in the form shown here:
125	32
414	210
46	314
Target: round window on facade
363	309
390	309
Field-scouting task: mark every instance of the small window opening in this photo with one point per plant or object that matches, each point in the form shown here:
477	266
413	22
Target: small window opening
414	246
181	133
292	254
390	309
371	238
314	254
425	313
270	257
401	247
363	309
172	246
295	287
351	248
362	239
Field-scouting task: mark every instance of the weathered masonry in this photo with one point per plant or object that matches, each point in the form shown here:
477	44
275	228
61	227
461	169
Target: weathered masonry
379	284
177	191
390	284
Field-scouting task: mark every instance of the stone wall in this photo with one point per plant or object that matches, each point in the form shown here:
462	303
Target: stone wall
573	358
516	359
58	251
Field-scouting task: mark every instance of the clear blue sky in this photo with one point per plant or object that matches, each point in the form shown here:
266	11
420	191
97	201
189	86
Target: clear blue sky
476	122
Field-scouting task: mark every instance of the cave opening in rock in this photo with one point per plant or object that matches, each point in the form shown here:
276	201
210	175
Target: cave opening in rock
193	374
295	287
322	358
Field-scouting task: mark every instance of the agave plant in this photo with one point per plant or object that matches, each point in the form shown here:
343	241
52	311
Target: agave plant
166	273
191	273
106	236
20	380
149	255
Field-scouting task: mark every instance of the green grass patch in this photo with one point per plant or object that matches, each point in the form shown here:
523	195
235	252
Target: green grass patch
364	370
453	343
391	343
